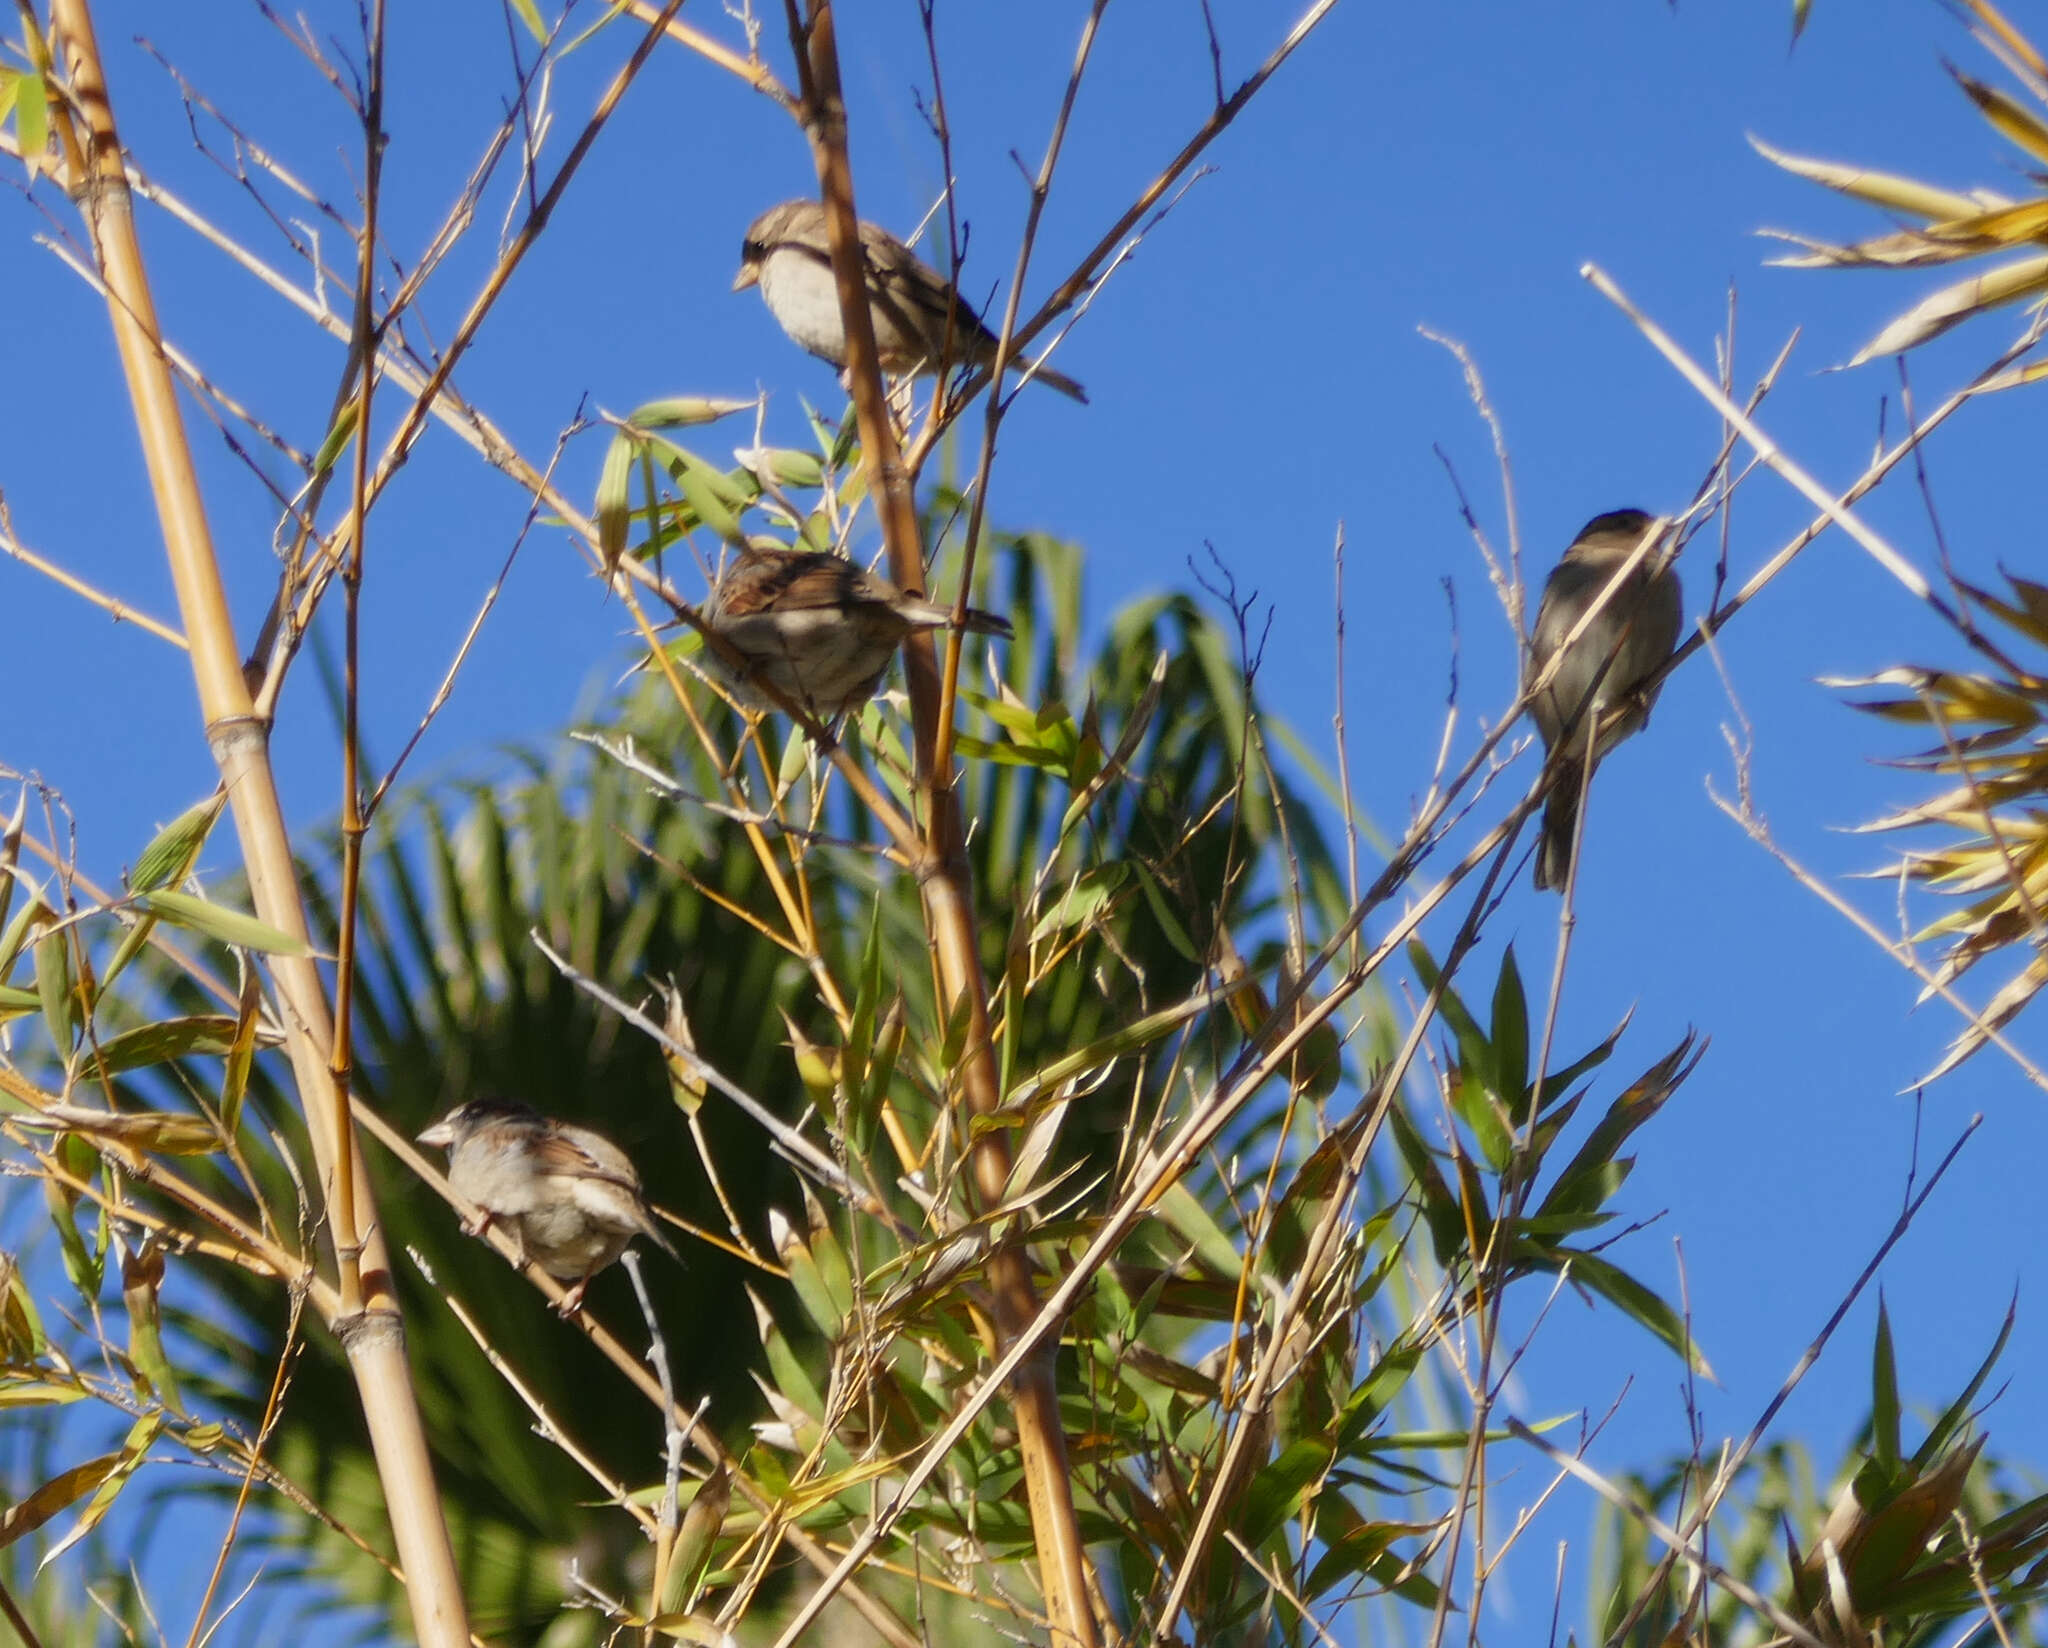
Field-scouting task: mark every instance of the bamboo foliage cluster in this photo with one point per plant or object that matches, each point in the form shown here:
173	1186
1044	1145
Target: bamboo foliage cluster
1946	226
1910	1542
1986	734
1084	1245
1983	728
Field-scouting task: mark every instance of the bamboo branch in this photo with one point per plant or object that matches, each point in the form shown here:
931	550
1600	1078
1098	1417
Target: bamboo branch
374	1335
943	872
354	825
118	610
749	68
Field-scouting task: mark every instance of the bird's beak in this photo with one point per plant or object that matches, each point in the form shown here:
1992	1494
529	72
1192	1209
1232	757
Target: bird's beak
749	275
441	1134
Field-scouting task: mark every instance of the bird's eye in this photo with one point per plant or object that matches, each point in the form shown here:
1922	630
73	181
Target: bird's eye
753	251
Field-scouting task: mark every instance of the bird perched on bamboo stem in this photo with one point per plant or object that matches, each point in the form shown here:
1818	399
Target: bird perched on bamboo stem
1602	691
920	321
815	627
570	1197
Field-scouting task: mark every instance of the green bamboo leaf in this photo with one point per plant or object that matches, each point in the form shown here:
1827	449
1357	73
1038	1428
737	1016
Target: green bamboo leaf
31	118
1347	1557
1884	1392
803	470
16	935
1162	912
1439	1207
204	1033
1893	1537
1007	755
21	1325
234	1084
1622	1290
807	1282
1591	1174
338	436
1559	1083
170	855
1119	1043
161	1132
1475	1051
1193	1223
614	507
140	926
216	921
142	1276
55	987
1280	1489
686	411
696	1539
64	1489
677	1626
792	1379
36	1393
1957	1413
1577	1202
1084	898
1417	1589
1510	1036
1024	724
529	14
84	1268
1480	1108
709	492
1476	1210
834	1270
140	1435
10	855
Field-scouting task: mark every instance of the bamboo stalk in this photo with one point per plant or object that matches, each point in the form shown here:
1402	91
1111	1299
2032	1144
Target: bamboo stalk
943	873
369	1328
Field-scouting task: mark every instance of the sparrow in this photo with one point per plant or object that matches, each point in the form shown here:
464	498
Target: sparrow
1599	691
815	627
570	1196
786	254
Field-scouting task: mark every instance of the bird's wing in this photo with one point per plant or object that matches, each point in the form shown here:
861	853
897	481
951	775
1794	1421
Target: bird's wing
581	1155
791	580
607	1184
915	296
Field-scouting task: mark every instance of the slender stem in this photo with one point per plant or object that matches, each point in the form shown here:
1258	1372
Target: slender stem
16	1618
943	870
998	402
353	825
374	1336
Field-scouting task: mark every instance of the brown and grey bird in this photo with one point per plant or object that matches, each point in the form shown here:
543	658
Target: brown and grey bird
570	1196
815	627
1600	690
919	319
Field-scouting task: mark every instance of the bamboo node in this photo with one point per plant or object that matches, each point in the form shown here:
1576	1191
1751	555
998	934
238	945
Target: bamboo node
370	1331
230	735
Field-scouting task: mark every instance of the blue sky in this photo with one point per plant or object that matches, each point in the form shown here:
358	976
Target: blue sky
1257	379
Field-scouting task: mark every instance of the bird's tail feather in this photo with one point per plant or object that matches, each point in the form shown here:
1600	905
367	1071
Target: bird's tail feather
931	615
1060	381
1560	824
654	1233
